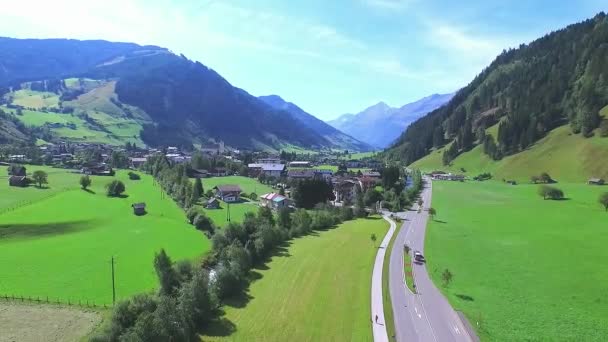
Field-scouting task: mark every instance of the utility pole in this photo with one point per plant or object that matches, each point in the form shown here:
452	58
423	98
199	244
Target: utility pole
228	213
113	284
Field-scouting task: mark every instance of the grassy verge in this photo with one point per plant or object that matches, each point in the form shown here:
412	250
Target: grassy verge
409	276
388	307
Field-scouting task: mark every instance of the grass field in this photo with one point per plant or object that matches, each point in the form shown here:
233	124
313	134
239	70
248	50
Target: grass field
524	268
248	185
565	156
317	289
58	242
34	99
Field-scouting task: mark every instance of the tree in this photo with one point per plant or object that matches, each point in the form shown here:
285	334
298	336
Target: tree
545	178
390	176
119	160
197	191
40	177
203	223
604	200
167	277
432	213
284	218
550	192
447	277
85	182
115	188
604	128
195	301
373	238
308	193
359	204
301	222
372	196
191	214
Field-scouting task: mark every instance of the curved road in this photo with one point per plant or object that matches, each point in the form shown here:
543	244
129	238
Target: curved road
427	315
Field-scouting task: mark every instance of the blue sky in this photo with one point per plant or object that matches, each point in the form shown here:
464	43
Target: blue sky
328	56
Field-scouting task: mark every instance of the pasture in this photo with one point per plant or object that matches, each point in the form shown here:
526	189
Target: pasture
58	241
315	289
524	268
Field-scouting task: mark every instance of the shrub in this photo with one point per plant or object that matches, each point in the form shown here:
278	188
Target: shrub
550	192
203	223
134	176
85	182
115	188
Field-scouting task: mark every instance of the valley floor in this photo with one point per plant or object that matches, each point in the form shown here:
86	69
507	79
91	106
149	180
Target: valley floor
57	242
316	289
524	268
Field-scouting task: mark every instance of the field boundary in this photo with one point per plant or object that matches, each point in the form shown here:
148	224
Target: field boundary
48	300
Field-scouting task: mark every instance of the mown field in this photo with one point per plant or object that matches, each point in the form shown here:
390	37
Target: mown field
524	268
565	156
316	289
58	242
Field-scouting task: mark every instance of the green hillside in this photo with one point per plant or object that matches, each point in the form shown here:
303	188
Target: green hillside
565	156
93	116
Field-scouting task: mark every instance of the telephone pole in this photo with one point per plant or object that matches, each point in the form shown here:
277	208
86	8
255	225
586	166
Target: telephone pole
113	284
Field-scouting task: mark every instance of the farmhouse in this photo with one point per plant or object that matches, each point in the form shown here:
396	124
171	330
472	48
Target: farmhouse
212	203
269	170
300	174
346	190
137	162
300	164
273	201
228	193
596	181
218	172
198	173
372	174
449	177
17	170
98	170
20	181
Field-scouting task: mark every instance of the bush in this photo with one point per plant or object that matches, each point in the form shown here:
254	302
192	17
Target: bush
253	196
203	223
346	214
550	192
134	176
115	188
483	177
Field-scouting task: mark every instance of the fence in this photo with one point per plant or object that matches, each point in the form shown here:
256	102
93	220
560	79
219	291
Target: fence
46	300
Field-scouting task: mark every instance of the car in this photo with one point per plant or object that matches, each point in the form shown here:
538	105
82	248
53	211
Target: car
418	257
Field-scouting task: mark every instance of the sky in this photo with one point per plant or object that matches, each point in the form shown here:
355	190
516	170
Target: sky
330	57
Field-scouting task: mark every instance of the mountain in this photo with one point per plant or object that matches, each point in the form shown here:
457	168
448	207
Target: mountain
98	91
554	87
380	125
328	132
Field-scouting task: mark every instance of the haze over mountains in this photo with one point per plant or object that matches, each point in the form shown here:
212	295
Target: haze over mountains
380	125
118	92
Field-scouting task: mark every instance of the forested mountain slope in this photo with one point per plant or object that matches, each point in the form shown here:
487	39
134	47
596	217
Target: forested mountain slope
559	79
152	96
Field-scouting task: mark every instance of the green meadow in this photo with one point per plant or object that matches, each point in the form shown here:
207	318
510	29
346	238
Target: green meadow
315	289
524	268
58	241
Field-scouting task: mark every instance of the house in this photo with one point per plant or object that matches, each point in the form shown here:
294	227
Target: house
20	181
16	170
596	181
346	190
273	170
270	160
198	173
98	170
366	182
300	174
139	208
228	193
17	158
449	177
213	149
274	201
372	174
137	162
212	203
218	172
300	164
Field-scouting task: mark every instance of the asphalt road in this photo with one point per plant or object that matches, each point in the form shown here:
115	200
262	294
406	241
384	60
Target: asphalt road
426	315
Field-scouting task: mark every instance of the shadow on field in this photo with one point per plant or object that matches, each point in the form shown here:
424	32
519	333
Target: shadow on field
440	221
465	297
220	327
89	191
31	230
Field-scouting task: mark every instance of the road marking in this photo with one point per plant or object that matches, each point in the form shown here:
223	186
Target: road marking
456	330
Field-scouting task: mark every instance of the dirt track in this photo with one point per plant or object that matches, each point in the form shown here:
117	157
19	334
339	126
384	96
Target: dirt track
37	323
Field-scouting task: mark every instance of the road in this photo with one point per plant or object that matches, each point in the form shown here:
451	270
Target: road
426	315
379	326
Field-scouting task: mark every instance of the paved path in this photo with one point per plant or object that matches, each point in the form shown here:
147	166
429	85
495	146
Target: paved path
379	327
427	315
